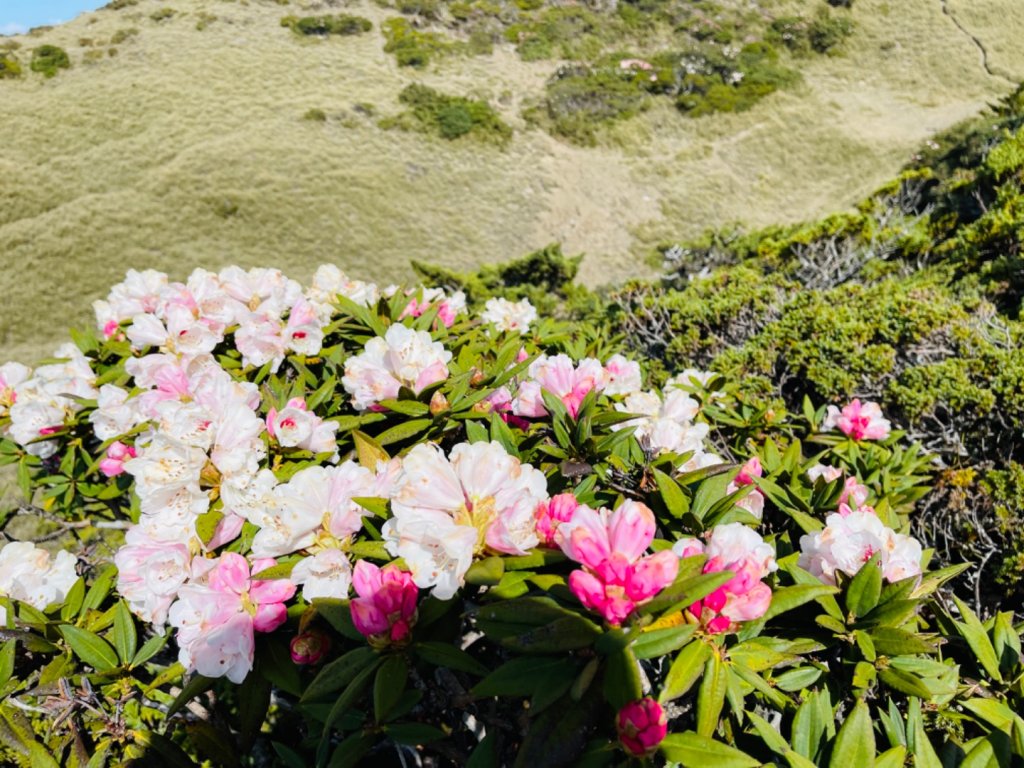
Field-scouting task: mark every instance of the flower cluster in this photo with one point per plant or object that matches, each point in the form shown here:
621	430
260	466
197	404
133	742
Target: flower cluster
851	539
745	597
861	421
616	576
33	576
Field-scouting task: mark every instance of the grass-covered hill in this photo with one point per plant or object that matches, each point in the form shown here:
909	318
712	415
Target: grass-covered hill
177	133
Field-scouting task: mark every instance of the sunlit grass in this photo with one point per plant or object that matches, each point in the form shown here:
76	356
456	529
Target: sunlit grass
189	148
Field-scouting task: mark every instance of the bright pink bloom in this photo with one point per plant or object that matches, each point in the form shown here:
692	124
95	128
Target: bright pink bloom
551	513
117	454
861	421
262	599
110	328
385	610
641	726
310	647
616	576
560	377
745	597
753	502
854	494
749	471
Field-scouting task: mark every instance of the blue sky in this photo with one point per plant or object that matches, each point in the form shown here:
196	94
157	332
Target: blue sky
20	15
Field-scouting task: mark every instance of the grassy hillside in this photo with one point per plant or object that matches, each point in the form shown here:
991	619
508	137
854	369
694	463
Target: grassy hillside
184	139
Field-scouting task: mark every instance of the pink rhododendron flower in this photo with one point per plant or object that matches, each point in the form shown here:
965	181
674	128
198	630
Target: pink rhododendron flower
848	541
11	375
401	358
117	454
854	494
616	576
448	307
861	421
641	726
745	597
824	471
385	610
446	510
296	427
560	377
310	647
550	514
753	502
217	616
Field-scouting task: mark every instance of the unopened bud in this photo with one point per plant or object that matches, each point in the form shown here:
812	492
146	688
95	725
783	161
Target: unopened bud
309	647
438	403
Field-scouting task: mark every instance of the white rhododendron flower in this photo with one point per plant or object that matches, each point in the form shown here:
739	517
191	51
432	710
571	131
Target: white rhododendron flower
848	541
666	424
34	576
509	316
11	375
446	510
329	282
622	376
401	358
150	573
316	503
114	414
328	573
41	402
139	293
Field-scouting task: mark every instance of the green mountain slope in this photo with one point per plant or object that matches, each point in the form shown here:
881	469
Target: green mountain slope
166	145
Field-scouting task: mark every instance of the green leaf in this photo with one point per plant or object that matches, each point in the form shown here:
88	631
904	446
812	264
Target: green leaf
149	649
404	430
450	657
684	593
622	679
339	673
196	686
100	588
369	451
406	407
711	696
161	750
661	642
350	695
897	642
865	589
691	748
676	502
253	705
519	677
90	648
125	638
892	758
685	670
787	598
565	634
486	572
974	633
73	602
388	687
206	525
7	651
855	742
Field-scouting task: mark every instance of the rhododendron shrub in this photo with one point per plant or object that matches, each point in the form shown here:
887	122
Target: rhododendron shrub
339	524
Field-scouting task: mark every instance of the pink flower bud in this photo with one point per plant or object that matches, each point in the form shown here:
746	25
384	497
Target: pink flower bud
117	454
749	471
310	647
641	726
385	610
551	513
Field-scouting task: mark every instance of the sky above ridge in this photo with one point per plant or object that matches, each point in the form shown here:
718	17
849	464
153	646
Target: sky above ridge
18	16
